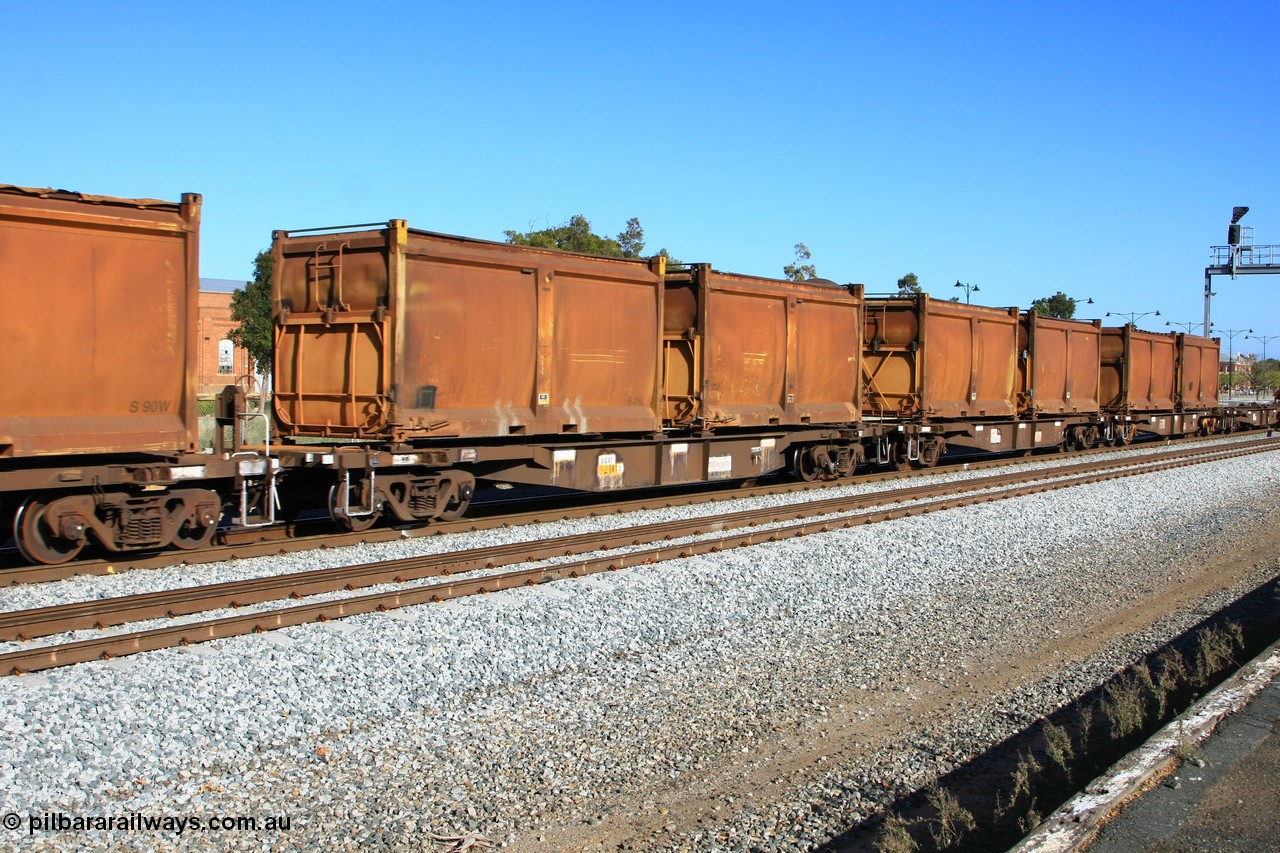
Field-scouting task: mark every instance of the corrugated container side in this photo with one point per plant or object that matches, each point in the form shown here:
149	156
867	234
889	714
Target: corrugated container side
1060	374
938	359
98	314
1198	365
779	352
1139	369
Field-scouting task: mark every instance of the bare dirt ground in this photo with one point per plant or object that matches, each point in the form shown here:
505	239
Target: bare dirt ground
657	817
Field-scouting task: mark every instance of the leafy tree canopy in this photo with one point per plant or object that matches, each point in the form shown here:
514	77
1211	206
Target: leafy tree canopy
251	308
799	270
1059	306
576	236
1262	375
672	263
909	285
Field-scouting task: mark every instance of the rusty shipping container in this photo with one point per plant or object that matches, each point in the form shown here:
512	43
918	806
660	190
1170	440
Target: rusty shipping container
1198	366
741	351
98	311
1138	370
1060	365
397	334
924	358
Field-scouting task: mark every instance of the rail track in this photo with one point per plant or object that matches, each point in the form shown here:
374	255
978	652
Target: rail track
645	544
306	535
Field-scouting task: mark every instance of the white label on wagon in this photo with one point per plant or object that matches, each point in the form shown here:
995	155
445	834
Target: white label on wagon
719	467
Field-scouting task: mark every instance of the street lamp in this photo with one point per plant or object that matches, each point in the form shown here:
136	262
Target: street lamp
968	288
1231	357
1264	338
1187	326
1133	316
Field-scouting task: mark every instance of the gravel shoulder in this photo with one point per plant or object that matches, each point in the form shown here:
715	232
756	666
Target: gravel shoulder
768	697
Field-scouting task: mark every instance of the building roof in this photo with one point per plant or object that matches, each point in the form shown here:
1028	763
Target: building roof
221	285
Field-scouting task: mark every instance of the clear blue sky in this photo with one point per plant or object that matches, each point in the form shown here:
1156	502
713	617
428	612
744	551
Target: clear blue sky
1093	148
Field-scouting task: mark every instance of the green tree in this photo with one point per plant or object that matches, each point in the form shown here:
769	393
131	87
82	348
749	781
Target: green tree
909	285
799	270
251	308
1059	306
576	236
1266	375
632	239
672	263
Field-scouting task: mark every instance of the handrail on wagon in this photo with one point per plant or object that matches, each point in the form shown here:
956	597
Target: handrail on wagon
331	228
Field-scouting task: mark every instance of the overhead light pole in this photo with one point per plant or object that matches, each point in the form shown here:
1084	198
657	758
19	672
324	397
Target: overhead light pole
1187	326
1231	357
968	288
1265	340
1133	316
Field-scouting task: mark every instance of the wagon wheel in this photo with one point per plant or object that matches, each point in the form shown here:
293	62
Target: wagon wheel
804	465
454	499
898	460
197	527
350	523
1126	434
37	541
932	454
1086	438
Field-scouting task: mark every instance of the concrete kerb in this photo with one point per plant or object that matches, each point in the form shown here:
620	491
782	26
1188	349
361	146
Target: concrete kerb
1079	819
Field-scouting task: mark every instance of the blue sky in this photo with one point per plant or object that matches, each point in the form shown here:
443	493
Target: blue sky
1093	148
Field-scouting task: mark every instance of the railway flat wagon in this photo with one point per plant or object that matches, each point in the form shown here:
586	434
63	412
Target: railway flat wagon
1141	382
742	352
441	360
447	359
98	423
944	372
97	323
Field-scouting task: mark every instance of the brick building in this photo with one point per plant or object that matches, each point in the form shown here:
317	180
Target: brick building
221	361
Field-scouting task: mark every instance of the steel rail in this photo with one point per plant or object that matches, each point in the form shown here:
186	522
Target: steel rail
45	657
286	539
28	624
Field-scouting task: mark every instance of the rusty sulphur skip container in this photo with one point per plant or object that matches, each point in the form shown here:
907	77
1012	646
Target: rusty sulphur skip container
933	359
742	351
1198	366
98	311
397	334
1139	369
1060	368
